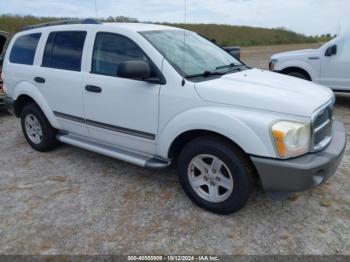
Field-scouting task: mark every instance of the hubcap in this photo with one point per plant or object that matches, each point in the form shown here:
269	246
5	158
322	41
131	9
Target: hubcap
210	178
33	129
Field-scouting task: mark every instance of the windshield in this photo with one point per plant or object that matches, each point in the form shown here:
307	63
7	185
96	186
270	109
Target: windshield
199	56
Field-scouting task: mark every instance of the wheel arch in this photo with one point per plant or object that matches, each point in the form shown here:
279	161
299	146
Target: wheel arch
290	69
26	93
21	102
183	139
210	121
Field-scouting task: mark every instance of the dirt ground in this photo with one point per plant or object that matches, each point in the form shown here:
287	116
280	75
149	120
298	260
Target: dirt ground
72	201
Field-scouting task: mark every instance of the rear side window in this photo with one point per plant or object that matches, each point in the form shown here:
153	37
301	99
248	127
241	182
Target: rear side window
23	50
64	50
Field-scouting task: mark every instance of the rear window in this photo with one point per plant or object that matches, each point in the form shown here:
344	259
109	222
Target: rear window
64	50
23	50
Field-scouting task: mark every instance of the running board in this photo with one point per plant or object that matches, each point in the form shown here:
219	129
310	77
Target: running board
114	152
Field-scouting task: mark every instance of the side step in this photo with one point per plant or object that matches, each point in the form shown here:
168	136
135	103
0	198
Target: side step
114	152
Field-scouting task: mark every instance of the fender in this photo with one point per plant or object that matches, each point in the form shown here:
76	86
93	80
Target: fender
223	121
297	63
26	88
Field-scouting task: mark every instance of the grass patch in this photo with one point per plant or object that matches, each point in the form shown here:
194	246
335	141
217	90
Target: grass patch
225	35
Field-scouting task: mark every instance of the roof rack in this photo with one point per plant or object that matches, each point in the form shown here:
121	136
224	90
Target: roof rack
64	22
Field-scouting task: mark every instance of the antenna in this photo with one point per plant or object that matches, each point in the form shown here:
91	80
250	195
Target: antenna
96	9
339	27
184	58
185	3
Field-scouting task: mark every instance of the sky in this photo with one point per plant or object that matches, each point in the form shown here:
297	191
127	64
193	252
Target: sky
310	17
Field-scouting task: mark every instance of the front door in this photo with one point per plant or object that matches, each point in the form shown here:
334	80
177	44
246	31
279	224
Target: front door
119	111
335	69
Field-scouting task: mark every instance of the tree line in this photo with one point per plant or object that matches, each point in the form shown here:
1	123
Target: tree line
223	34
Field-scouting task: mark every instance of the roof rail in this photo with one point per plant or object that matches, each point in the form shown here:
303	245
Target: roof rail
63	22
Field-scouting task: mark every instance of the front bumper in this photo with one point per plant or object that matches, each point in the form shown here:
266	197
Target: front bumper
302	173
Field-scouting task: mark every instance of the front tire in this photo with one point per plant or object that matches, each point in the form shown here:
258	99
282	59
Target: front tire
37	130
298	75
215	175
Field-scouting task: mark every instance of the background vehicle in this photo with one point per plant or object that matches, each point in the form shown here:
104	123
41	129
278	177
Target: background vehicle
133	92
4	39
235	51
329	65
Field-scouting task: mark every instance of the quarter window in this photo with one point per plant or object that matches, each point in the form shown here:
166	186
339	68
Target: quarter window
64	50
110	50
24	48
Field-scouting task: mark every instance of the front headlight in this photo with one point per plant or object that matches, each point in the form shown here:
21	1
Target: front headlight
291	138
272	64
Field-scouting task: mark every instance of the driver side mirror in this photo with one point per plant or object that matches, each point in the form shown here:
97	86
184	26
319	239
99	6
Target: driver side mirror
332	50
138	70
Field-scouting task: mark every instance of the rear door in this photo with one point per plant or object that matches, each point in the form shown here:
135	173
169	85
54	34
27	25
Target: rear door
59	78
335	69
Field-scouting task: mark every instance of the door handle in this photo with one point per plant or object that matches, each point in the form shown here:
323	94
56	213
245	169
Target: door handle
39	80
93	89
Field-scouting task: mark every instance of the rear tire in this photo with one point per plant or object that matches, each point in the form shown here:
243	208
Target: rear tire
215	175
298	75
37	130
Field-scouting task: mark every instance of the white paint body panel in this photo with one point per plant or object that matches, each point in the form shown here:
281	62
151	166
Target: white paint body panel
123	103
240	106
332	71
264	90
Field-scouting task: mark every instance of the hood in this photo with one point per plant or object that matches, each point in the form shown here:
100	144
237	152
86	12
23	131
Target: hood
265	90
294	53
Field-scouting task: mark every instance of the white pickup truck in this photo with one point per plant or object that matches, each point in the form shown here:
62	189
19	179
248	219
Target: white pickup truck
139	93
328	65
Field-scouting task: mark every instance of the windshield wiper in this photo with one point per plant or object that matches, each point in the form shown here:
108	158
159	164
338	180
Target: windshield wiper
227	66
232	68
206	74
237	69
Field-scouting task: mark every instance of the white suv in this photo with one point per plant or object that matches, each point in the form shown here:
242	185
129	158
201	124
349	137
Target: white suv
329	65
140	93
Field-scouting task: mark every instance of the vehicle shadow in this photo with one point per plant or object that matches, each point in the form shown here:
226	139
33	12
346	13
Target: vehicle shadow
342	99
4	112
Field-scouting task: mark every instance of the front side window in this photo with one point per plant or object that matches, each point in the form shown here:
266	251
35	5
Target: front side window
110	50
190	53
64	50
24	48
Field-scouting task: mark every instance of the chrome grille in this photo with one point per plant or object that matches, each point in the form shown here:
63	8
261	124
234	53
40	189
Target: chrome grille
322	127
323	116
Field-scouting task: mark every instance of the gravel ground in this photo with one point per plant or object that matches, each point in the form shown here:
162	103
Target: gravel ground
71	201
